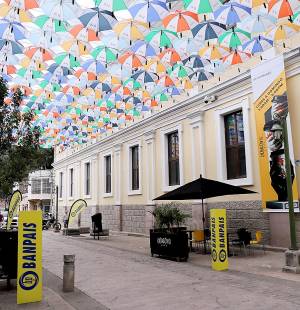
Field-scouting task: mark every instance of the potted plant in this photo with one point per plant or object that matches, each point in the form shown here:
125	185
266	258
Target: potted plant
168	238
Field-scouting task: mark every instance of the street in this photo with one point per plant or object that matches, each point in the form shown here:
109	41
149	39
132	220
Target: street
124	276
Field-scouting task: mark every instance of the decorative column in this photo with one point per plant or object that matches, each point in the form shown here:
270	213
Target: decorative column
150	176
117	182
198	150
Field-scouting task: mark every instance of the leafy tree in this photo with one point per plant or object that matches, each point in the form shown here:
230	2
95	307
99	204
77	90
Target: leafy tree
20	151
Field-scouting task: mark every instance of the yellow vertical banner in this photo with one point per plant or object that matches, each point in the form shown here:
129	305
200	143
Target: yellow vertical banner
77	207
218	228
29	281
14	206
271	106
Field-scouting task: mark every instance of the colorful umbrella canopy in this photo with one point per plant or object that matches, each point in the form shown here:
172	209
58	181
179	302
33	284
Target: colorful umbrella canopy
234	37
208	30
257	45
236	57
149	11
231	13
161	37
131	29
282	8
202	6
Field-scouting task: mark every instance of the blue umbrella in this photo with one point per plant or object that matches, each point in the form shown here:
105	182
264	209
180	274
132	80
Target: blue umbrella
10	47
143	48
101	86
11	30
200	75
149	11
145	77
231	13
195	61
98	20
208	30
94	66
61	70
257	45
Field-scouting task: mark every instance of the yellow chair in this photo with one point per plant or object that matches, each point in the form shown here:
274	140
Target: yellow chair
258	239
198	237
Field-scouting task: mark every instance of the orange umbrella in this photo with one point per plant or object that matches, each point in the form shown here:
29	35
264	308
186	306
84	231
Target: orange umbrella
180	21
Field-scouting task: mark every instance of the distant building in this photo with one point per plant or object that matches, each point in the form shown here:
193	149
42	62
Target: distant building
40	191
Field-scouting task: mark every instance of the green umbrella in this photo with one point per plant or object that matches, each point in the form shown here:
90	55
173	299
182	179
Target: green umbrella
49	24
234	37
104	54
161	37
67	60
111	5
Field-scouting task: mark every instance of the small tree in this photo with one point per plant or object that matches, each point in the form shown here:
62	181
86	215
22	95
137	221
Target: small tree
20	151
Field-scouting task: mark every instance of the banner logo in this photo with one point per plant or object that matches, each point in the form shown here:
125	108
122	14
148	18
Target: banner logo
29	257
14	205
218	229
77	207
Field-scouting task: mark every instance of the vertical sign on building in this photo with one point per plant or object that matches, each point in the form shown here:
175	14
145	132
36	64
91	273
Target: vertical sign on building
218	228
29	281
271	105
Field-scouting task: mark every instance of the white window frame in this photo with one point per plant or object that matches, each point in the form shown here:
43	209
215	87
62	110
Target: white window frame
164	157
60	185
85	195
132	192
221	146
106	195
71	197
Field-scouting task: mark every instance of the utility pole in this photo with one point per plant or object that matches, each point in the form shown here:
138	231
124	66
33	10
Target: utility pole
56	213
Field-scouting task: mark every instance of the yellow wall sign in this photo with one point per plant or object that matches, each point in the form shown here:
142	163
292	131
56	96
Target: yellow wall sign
218	228
29	282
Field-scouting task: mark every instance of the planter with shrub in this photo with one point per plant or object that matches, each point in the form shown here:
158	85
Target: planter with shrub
169	238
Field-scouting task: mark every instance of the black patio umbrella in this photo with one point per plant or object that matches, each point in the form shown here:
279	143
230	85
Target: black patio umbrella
203	188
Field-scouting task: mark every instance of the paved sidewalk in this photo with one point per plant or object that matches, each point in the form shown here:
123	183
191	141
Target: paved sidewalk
120	273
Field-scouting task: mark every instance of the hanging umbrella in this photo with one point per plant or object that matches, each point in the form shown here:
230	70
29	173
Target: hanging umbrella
84	34
257	23
180	21
132	84
14	14
13	31
62	10
161	37
105	54
98	20
170	56
76	47
236	57
231	13
213	52
155	66
208	30
179	71
49	24
8	47
257	45
38	54
67	60
203	188
131	30
144	77
149	11
202	6
234	37
23	4
94	67
143	48
200	75
165	81
195	62
131	60
282	31
282	8
111	5
296	18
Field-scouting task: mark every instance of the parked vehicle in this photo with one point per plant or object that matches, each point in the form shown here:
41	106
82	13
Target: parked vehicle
49	222
14	223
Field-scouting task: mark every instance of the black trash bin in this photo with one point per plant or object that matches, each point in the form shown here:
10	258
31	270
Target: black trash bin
8	253
97	224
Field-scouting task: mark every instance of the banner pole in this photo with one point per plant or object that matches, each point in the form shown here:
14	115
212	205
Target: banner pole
56	213
289	186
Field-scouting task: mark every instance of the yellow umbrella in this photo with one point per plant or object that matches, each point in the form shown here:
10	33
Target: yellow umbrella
253	3
131	29
282	31
213	52
76	47
15	14
155	65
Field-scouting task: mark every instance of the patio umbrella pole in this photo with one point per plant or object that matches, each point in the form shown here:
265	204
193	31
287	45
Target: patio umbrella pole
203	223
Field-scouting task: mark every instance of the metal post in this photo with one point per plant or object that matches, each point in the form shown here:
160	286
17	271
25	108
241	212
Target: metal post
56	213
69	273
289	186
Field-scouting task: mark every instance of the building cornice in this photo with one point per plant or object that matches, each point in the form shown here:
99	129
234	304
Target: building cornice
233	88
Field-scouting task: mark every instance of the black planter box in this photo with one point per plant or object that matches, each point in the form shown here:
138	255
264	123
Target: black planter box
169	244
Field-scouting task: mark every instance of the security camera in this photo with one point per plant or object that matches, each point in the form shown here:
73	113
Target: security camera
206	99
209	99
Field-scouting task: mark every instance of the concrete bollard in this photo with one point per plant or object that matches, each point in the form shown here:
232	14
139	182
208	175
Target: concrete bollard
69	273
